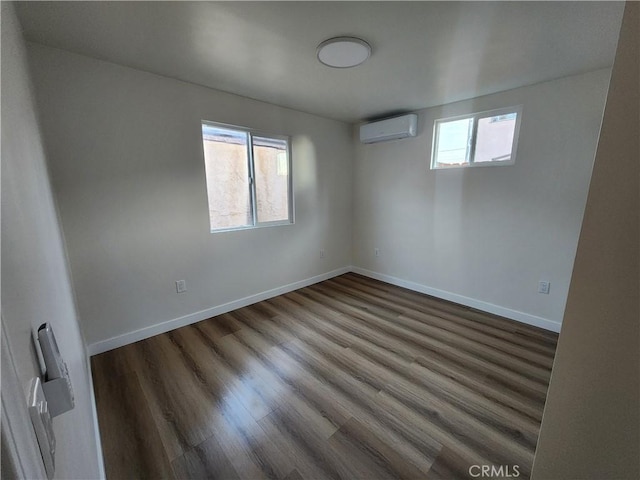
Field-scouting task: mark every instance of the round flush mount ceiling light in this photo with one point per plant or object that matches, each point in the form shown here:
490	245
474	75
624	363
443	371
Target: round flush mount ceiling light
343	52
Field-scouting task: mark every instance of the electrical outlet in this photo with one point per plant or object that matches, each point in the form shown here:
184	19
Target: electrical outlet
41	420
376	252
181	286
322	253
544	287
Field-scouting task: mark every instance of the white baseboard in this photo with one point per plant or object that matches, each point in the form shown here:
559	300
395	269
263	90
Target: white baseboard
141	334
94	412
469	302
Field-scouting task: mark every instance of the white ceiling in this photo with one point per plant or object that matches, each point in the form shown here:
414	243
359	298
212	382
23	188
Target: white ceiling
424	53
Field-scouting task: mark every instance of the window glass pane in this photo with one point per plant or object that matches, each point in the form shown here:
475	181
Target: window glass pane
453	142
271	165
227	169
494	139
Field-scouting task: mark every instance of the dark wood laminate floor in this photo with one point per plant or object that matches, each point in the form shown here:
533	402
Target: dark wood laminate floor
350	378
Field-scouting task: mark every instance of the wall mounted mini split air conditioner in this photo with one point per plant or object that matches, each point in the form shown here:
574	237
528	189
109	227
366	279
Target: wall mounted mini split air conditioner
389	129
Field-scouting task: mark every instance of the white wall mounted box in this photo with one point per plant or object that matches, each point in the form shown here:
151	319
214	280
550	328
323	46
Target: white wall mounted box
390	129
56	382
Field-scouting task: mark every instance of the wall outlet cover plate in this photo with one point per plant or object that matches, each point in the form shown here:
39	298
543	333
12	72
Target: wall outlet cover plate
41	420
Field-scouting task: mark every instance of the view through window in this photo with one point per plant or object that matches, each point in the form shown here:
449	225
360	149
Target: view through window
248	178
476	139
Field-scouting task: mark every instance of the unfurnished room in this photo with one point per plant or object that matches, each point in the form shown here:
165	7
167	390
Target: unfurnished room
311	240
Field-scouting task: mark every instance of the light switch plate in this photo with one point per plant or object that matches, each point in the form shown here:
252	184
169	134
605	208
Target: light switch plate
41	420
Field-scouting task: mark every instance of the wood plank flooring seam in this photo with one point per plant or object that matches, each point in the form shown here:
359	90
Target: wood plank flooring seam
350	378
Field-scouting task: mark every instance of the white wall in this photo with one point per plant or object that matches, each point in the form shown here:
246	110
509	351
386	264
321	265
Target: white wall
591	423
36	287
485	236
128	172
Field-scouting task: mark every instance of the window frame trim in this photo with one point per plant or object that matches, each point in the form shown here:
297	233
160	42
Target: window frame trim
251	132
476	117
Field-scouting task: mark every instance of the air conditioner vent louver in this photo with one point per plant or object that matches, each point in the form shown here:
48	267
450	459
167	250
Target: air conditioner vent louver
389	129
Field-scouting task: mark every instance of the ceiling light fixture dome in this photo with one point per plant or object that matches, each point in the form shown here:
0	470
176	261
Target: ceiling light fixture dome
343	52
